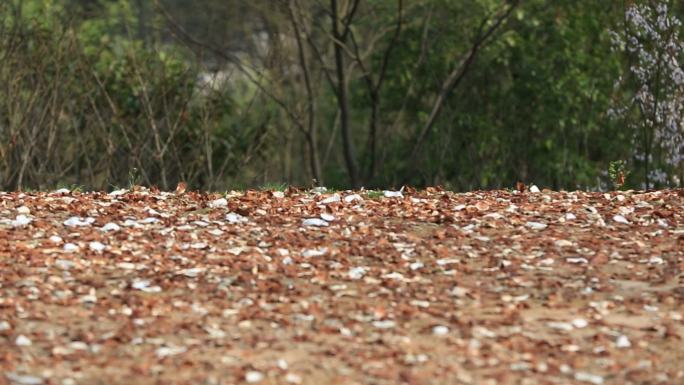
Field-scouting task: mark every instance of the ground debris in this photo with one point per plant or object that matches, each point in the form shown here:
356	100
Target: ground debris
317	287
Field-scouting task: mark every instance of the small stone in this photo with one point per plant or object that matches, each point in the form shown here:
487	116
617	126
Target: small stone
89	298
580	323
623	342
394	275
588	377
416	265
656	260
24	379
534	189
440	330
144	285
23	210
458	292
282	364
560	326
22	340
167	351
253	376
563	243
386	324
419	303
327	217
64	264
192	273
520	366
126	265
293	378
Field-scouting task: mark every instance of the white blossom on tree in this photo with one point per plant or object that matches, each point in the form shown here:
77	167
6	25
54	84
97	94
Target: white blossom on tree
655	108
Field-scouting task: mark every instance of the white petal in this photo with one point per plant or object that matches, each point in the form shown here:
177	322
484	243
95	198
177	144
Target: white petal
536	225
78	222
352	198
387	324
392	194
21	220
170	351
588	377
96	246
620	219
357	272
315	252
110	227
235	218
70	247
216	203
331	199
314	222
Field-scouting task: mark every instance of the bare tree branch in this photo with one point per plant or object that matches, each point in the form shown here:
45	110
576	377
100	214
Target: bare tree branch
459	71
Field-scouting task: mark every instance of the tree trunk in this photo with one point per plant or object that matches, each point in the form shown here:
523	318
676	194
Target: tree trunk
343	98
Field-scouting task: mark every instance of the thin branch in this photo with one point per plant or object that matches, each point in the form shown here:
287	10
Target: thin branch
458	73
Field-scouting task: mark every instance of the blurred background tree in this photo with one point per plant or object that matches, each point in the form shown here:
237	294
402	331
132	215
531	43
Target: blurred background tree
222	94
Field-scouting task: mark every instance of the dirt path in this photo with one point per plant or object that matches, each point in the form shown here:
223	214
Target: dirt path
431	287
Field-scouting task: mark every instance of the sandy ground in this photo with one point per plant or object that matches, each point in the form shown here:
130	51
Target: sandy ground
300	287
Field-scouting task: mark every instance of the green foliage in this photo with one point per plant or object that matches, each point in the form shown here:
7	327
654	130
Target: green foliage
274	186
115	87
617	171
373	194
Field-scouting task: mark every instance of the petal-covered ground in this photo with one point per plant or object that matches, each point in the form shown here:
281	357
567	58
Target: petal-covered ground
306	287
